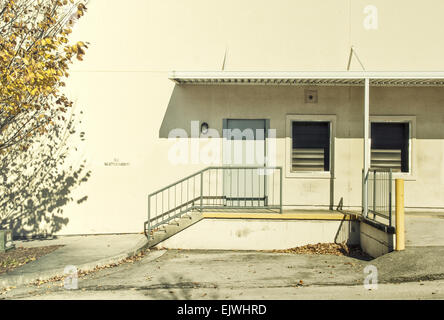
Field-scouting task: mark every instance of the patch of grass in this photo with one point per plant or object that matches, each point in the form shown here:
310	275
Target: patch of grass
20	256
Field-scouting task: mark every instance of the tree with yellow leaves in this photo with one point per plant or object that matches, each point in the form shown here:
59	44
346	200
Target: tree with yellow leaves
35	114
34	58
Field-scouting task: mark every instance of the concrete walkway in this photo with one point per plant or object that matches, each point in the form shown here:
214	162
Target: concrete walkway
222	275
424	229
423	261
83	252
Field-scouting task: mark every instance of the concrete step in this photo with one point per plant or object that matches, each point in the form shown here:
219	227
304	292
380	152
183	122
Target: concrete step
174	227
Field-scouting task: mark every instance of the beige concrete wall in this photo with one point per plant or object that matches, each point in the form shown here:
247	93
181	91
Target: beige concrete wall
240	234
129	104
150	35
375	242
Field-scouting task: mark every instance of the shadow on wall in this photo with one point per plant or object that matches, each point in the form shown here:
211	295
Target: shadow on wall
194	103
214	103
37	183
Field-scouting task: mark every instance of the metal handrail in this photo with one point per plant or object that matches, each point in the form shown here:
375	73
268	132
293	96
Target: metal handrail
379	191
220	197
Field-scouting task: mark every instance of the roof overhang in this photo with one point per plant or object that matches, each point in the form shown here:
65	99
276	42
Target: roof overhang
340	78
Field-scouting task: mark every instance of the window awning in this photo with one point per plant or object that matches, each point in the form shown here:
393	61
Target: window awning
340	78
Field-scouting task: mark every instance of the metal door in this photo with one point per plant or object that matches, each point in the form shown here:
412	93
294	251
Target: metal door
244	147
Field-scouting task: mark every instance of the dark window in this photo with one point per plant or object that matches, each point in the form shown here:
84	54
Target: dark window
310	146
390	146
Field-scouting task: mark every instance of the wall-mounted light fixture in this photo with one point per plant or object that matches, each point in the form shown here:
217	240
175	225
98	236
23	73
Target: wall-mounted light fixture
204	128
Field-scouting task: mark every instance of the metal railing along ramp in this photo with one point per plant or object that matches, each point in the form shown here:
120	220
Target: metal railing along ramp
379	191
224	188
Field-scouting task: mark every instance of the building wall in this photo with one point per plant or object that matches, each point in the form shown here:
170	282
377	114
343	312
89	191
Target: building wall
129	105
213	103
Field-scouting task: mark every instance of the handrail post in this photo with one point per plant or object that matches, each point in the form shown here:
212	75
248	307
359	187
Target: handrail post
364	190
374	190
149	218
390	197
280	200
201	191
366	145
265	186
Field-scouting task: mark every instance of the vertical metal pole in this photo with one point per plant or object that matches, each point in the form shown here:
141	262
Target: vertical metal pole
259	184
201	191
217	176
374	193
273	187
363	191
245	186
390	198
149	217
366	146
231	186
238	193
280	200
384	192
265	188
400	231
252	188
226	196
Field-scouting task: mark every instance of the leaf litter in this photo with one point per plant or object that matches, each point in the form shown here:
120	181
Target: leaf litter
337	249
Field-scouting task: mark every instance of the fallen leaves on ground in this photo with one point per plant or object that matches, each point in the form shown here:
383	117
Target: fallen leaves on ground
20	256
4	290
337	249
83	273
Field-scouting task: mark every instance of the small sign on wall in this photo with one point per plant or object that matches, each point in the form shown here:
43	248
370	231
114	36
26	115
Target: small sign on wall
311	96
116	163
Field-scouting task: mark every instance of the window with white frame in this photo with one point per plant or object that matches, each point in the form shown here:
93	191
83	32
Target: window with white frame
310	146
390	145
